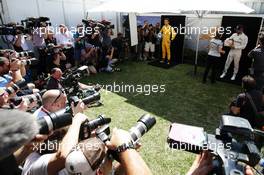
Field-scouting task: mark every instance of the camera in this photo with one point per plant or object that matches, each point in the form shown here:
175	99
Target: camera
63	118
234	145
143	125
88	126
96	25
28	98
71	78
92	98
31	22
25	54
11	29
15	87
31	61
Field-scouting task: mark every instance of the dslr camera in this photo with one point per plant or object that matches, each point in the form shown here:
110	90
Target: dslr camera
234	145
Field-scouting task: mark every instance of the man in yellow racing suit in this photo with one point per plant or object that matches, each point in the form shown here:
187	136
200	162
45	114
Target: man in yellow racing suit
168	34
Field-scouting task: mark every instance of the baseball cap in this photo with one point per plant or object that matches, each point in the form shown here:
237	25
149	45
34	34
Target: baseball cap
86	157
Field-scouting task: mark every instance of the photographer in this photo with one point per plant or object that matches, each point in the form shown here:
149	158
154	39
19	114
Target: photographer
117	44
257	56
19	41
11	71
19	134
65	40
59	60
53	101
150	41
106	63
88	57
54	80
79	43
107	41
247	102
54	163
202	165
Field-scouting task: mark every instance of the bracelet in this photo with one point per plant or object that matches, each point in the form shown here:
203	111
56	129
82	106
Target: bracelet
124	147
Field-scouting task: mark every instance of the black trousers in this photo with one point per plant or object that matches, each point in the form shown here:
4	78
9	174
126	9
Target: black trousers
211	63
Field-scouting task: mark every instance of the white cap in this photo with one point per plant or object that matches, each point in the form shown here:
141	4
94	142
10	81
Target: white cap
76	163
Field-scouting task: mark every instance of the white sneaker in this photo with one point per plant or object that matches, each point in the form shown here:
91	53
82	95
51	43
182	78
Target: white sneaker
233	77
223	75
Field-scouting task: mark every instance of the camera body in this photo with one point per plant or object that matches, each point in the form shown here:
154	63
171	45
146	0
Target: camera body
71	78
97	26
234	145
31	22
13	29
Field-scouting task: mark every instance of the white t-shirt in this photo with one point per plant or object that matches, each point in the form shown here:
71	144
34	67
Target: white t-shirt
65	38
214	47
37	164
13	39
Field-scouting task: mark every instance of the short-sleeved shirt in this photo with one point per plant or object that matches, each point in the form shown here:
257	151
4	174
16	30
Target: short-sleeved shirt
37	164
214	46
64	39
257	55
4	80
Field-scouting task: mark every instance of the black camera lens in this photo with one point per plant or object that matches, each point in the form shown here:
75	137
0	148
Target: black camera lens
15	87
54	121
89	126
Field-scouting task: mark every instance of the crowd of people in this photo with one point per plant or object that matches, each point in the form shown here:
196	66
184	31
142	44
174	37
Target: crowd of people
57	53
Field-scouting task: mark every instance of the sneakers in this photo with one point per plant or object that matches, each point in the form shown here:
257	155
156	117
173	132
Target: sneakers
233	77
161	61
223	75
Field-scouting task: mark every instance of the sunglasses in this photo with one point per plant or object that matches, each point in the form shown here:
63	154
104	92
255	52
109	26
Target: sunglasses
57	98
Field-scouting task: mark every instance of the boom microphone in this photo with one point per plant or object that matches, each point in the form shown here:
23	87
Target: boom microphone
17	128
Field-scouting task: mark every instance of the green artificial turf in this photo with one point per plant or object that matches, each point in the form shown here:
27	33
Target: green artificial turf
186	100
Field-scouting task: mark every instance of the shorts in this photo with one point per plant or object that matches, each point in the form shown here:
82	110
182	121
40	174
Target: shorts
149	46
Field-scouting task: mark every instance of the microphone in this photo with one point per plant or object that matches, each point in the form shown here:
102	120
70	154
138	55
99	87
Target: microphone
17	128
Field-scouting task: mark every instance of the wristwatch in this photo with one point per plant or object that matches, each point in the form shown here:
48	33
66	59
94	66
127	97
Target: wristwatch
124	147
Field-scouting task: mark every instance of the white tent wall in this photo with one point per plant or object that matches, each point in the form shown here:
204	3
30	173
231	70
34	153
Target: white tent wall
69	12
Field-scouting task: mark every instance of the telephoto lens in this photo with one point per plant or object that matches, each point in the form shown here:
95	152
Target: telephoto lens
25	54
31	61
87	100
144	124
88	126
15	87
28	98
54	121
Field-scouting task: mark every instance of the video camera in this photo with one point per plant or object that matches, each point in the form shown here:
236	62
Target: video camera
12	29
97	26
31	22
234	145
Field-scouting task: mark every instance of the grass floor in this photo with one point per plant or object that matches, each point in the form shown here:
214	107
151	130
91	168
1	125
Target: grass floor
185	100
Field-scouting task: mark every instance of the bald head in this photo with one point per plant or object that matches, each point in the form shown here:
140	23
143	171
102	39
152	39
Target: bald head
56	73
54	100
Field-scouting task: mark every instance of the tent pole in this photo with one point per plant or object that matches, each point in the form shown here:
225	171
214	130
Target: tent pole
200	17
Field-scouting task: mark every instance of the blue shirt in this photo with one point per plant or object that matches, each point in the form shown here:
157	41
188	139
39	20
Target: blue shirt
5	79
